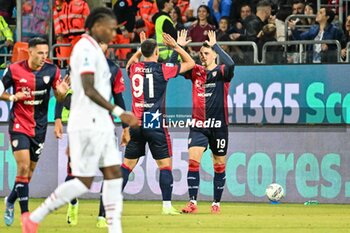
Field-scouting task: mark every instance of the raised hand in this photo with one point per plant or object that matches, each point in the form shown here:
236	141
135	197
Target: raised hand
212	38
142	36
182	38
169	41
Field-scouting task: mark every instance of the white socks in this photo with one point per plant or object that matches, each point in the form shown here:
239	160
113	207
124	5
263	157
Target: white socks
113	202
62	195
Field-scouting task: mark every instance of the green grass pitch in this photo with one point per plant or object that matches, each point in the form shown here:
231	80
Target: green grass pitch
144	216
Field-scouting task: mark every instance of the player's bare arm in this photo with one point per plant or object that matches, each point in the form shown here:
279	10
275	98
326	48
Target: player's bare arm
13	98
92	93
136	57
187	61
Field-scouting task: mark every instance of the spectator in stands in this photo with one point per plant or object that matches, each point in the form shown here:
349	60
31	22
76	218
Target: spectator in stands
223	29
323	30
146	10
298	7
176	17
219	8
163	23
6	37
244	11
69	19
346	39
183	5
274	54
254	23
199	31
281	17
310	9
125	12
6	9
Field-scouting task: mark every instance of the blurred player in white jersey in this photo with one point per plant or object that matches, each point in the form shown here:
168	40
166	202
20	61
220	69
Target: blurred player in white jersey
90	128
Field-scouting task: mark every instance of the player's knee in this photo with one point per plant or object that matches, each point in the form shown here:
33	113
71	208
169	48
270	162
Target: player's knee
113	172
219	168
193	165
23	169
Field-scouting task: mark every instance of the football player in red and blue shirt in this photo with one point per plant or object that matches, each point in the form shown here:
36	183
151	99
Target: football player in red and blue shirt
210	85
148	86
31	81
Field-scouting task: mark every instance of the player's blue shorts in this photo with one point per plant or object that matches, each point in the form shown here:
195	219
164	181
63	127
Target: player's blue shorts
216	138
35	145
158	142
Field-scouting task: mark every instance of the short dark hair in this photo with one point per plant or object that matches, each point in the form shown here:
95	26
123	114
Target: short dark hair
161	3
98	14
331	14
298	1
263	3
148	47
206	45
37	41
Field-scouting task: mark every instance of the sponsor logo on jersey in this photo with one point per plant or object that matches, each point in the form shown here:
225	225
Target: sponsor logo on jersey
23	80
46	79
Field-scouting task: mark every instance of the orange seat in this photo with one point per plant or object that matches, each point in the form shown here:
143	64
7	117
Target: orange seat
20	52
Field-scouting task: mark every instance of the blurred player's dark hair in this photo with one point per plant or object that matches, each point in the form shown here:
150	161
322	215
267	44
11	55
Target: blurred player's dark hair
98	14
37	41
148	47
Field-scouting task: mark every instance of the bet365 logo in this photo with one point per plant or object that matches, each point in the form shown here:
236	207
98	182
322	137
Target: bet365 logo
151	120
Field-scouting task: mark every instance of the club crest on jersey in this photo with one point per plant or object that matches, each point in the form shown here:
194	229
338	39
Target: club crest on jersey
15	143
46	79
214	73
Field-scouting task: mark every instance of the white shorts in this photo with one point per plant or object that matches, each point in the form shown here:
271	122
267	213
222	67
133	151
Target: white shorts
91	150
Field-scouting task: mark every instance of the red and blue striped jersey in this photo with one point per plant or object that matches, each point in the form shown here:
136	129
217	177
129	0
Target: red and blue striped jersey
148	86
29	115
209	92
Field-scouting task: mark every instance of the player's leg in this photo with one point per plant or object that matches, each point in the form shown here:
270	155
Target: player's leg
197	144
159	143
84	161
101	217
20	147
218	145
112	185
73	205
133	151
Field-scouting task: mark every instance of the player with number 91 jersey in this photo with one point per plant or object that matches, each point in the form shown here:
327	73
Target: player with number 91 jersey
148	85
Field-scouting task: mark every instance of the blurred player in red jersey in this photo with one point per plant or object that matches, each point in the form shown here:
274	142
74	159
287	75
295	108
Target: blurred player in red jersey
32	81
149	80
210	85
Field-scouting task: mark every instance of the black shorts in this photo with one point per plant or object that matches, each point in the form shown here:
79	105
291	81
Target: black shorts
217	138
35	145
158	141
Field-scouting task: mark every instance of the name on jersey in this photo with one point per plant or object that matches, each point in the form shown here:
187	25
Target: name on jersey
143	70
144	105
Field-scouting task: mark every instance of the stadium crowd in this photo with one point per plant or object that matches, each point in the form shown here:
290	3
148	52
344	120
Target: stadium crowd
234	20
